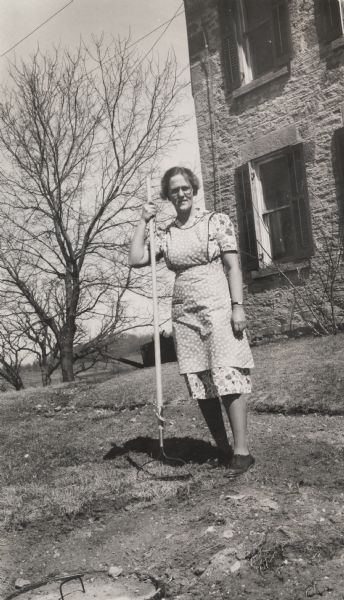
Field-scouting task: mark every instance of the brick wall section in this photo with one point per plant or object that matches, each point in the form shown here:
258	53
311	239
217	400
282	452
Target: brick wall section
308	101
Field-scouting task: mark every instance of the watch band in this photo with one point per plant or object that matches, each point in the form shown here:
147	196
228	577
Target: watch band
237	302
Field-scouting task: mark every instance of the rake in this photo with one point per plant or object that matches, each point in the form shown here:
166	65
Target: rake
163	458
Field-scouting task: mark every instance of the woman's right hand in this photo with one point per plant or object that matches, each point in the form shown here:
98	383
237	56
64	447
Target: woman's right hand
149	211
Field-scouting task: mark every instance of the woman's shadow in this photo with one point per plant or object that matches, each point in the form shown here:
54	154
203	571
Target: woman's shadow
185	448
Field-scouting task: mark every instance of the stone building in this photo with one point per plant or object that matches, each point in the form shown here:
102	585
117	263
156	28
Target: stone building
268	86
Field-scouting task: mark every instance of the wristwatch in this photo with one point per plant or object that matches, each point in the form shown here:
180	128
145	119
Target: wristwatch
237	302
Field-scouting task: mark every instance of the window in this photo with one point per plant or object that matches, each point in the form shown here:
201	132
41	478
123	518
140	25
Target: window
256	38
339	171
273	209
339	145
197	43
330	19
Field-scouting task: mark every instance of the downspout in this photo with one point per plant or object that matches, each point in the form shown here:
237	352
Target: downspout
206	66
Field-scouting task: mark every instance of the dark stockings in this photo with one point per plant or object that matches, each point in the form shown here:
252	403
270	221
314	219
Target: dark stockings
212	413
235	407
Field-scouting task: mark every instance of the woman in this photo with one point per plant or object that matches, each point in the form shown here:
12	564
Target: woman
207	310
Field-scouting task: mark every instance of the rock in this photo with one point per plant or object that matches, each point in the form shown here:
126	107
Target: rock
286	531
228	533
210	529
235	567
220	563
115	572
235	497
21	583
242	553
57	408
268	503
199	570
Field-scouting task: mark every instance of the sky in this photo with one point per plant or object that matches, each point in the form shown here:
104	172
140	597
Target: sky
82	18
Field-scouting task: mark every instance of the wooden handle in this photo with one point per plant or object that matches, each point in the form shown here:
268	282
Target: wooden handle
157	351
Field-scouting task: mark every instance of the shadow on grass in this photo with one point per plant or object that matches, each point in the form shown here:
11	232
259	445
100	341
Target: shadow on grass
186	448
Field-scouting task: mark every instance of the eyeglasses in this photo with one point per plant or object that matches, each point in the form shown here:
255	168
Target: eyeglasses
187	191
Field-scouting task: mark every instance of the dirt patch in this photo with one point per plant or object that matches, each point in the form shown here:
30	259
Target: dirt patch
276	533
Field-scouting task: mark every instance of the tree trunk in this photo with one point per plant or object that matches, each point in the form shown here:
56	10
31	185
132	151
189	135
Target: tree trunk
46	379
12	376
18	384
67	361
45	373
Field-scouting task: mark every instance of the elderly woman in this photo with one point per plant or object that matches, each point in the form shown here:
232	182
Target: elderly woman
207	310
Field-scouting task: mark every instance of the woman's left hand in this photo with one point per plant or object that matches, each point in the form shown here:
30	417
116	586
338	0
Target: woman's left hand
238	320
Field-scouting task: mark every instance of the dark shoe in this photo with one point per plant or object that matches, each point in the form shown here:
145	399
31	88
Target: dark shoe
239	465
223	459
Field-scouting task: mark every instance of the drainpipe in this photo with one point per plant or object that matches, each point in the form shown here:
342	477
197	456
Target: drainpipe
206	66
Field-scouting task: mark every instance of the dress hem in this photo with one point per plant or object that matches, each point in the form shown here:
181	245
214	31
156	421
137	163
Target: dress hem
209	368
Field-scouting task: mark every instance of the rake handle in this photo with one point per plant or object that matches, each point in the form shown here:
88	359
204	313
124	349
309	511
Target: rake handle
157	350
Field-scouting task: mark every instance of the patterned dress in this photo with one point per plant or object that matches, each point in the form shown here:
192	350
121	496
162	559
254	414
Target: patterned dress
213	361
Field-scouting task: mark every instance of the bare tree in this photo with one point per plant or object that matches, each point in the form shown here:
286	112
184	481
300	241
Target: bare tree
14	348
78	133
43	345
321	301
24	339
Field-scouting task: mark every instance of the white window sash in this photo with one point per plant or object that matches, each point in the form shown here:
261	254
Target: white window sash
243	49
341	10
262	232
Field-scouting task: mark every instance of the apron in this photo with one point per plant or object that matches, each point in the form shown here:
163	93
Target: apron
201	303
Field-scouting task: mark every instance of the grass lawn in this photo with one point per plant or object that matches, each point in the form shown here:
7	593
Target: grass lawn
72	499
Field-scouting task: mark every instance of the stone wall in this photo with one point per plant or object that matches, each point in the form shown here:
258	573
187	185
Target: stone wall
304	104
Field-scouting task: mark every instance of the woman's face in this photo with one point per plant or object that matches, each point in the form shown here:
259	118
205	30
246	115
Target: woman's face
180	193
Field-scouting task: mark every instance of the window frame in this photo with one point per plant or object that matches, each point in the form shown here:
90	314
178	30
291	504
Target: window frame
339	174
329	31
300	220
240	29
246	31
259	206
340	14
